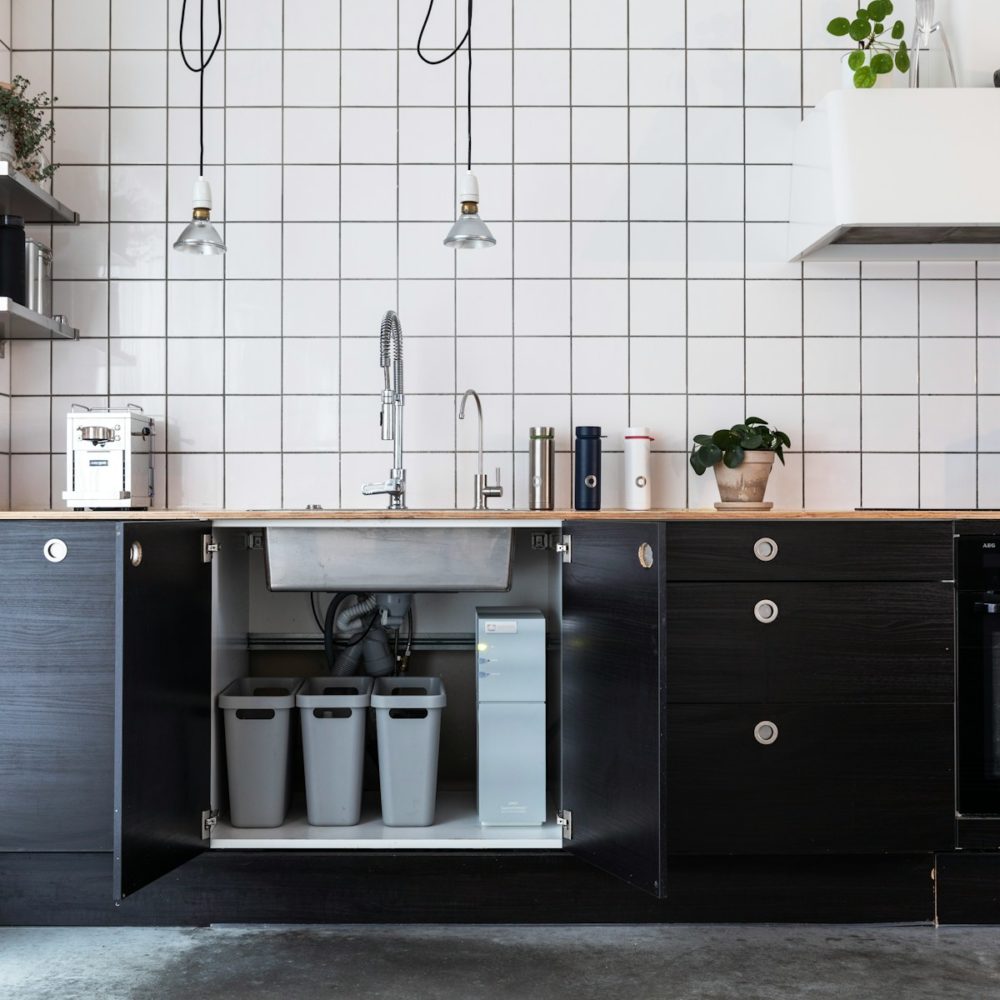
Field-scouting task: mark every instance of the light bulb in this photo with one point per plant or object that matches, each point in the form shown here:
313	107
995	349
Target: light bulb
199	235
469	231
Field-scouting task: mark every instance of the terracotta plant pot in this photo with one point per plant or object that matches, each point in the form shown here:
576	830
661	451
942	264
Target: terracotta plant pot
748	482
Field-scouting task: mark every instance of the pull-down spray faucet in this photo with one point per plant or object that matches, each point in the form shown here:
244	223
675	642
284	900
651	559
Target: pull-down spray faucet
391	418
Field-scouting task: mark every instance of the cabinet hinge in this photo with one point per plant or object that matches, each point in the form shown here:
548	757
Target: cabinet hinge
209	818
566	548
209	546
565	819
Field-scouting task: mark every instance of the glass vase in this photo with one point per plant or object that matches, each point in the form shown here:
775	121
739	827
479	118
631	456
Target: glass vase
932	63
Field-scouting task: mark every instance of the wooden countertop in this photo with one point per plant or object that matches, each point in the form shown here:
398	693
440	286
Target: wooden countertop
707	514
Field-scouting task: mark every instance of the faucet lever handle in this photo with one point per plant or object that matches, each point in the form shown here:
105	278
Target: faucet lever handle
498	476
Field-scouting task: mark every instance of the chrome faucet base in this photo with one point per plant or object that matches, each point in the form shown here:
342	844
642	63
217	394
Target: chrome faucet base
483	490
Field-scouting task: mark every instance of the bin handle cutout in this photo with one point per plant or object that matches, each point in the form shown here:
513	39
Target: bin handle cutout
271	692
407	713
332	713
255	713
341	690
406	691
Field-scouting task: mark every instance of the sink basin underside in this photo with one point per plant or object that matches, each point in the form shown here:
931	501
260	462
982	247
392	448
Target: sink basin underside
381	560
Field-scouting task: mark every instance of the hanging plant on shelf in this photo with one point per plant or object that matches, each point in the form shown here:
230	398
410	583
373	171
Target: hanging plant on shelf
25	128
875	55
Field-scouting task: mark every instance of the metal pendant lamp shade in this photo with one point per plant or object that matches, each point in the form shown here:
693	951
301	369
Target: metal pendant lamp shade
199	235
469	231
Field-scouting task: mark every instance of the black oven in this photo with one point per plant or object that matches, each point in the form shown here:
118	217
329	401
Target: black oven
977	578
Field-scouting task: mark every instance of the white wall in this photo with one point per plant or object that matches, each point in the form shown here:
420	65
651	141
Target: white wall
633	158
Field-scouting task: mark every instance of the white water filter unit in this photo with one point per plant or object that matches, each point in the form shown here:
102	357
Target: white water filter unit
638	490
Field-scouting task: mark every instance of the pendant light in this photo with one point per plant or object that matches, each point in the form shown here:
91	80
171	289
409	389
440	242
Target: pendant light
469	231
199	235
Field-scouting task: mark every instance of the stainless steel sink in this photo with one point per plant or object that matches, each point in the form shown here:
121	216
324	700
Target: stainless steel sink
386	559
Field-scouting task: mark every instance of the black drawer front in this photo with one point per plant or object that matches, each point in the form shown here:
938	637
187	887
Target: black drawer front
840	779
826	642
823	550
57	658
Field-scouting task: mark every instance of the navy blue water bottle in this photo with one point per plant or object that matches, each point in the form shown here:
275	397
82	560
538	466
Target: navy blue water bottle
587	482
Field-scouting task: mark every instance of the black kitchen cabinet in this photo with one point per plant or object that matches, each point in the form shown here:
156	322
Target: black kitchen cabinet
813	642
613	699
666	675
811	688
881	550
163	699
837	779
104	639
57	660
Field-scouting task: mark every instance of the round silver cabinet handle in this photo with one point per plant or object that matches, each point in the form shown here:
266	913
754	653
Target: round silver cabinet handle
135	553
765	611
765	549
765	733
55	550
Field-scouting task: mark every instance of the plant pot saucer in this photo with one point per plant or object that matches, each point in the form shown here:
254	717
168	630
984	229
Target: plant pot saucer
743	505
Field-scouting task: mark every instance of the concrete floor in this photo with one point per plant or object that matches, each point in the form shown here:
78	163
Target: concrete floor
501	963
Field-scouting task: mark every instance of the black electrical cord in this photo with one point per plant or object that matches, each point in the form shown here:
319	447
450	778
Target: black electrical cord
312	607
200	68
467	37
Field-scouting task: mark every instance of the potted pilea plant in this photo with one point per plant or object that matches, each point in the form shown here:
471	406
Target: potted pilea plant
880	46
25	128
742	457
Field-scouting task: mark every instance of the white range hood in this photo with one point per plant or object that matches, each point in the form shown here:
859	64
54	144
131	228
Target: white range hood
898	175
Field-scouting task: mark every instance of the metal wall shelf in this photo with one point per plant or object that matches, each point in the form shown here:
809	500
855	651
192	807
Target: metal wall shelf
18	322
21	196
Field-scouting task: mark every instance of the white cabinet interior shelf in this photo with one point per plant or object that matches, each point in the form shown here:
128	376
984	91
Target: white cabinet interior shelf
18	322
21	196
456	827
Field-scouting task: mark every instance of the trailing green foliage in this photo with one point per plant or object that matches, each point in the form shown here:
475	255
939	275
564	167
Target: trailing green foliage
29	120
730	446
875	56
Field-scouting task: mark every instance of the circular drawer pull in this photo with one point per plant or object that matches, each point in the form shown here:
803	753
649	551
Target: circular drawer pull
135	553
765	611
55	550
765	549
646	555
765	733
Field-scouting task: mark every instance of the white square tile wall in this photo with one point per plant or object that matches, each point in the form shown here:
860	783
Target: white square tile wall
633	157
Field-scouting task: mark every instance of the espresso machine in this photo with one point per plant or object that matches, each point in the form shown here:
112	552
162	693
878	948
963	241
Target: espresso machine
109	459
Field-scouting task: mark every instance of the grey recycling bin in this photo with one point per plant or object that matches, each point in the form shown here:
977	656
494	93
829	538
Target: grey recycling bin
408	718
333	712
258	717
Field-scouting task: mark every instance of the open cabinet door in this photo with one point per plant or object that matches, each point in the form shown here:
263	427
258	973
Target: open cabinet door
162	699
613	699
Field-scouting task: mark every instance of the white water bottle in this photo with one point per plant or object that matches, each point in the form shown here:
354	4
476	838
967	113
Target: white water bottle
638	491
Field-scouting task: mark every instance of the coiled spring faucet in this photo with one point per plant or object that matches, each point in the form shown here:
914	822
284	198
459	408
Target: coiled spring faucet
391	359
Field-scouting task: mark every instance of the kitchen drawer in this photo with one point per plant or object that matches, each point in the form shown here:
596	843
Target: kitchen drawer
814	550
824	642
841	779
